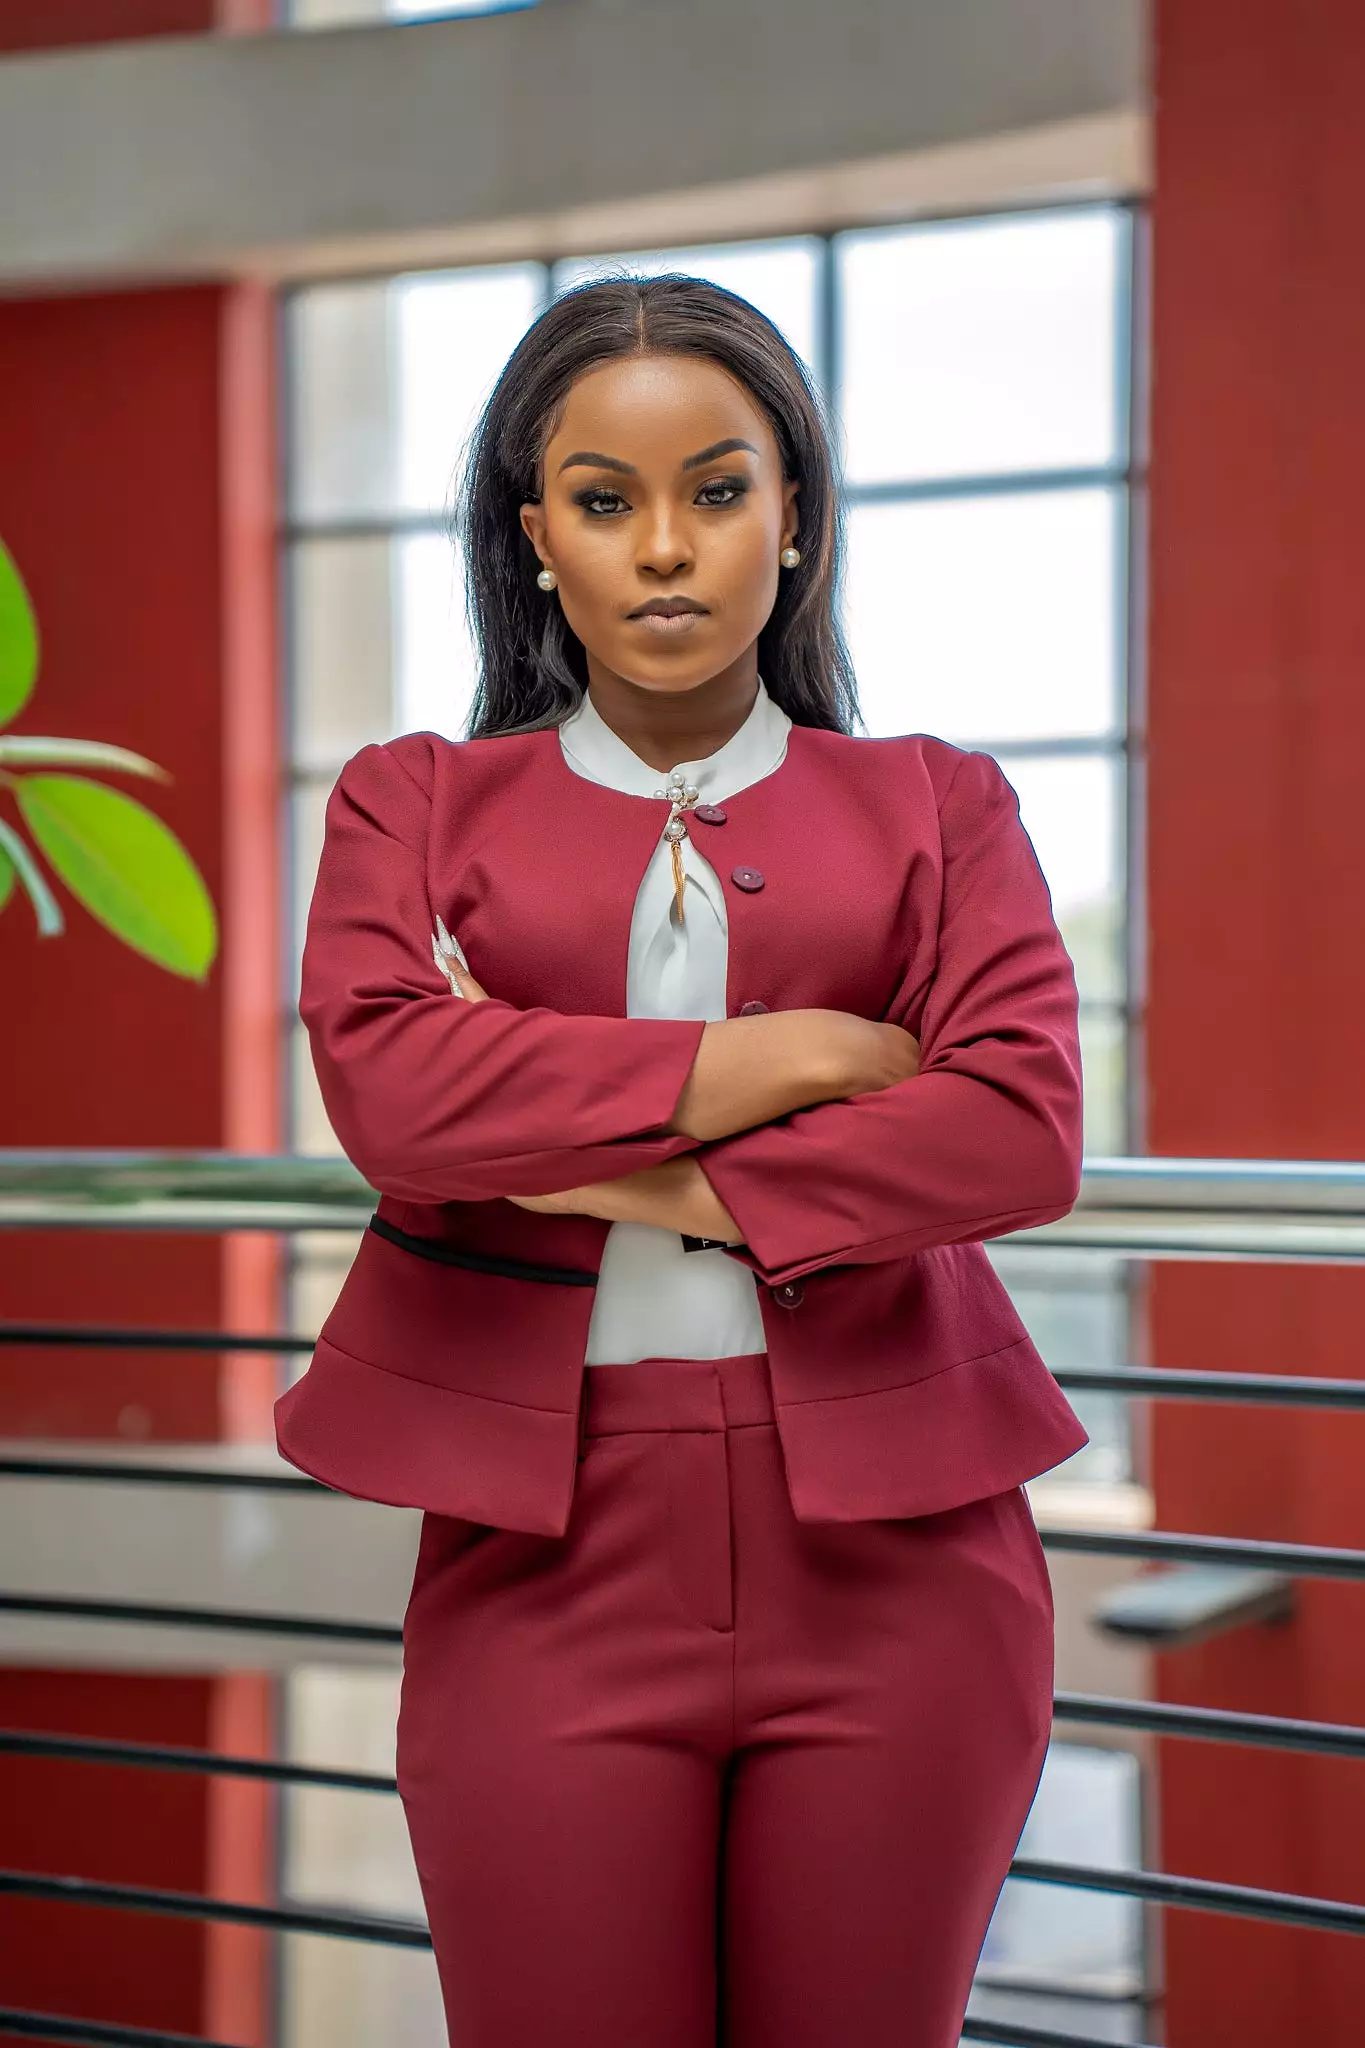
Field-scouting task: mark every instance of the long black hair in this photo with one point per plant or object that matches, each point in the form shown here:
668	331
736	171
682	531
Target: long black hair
533	668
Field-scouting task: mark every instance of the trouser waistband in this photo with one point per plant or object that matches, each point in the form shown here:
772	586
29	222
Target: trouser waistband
676	1393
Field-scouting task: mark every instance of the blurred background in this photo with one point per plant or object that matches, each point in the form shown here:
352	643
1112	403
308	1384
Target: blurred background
1081	281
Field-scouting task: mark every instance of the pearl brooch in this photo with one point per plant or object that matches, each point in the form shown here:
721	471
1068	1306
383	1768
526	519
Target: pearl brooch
682	795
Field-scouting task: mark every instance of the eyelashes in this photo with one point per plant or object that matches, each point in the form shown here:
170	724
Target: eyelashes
601	502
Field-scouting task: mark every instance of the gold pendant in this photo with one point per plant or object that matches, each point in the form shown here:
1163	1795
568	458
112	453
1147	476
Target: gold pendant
683	796
675	832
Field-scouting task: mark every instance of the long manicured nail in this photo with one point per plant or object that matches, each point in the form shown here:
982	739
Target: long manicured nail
450	946
447	968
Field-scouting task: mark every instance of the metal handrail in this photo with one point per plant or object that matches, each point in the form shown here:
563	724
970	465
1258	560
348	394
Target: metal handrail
1301	1210
51	2026
1160	1382
1295	1560
1156	1717
46	2026
1292	1909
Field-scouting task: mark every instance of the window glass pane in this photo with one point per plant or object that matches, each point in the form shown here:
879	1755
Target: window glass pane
307	820
419	10
381	645
1088	1810
1075	1308
436	663
452	333
341	454
355	1994
981	347
1104	1054
320	1262
343	1850
777	277
309	1130
353	1852
984	619
388	378
1068	807
342	624
333	13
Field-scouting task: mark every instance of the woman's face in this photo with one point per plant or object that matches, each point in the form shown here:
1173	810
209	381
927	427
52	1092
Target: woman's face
663	488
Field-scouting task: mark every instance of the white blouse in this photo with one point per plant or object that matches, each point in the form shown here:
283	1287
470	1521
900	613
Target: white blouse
655	1300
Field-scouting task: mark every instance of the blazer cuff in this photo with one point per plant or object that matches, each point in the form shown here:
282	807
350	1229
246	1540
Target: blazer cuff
572	1129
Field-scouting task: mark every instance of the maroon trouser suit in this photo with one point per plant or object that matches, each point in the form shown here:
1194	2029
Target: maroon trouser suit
725	1729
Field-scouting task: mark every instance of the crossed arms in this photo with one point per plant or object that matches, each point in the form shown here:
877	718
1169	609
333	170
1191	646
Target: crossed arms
740	1078
767	1131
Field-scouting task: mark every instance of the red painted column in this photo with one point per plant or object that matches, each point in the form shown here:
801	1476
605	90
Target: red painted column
59	24
136	494
1257	906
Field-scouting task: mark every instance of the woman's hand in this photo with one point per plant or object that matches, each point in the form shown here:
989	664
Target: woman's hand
753	1070
675	1195
807	1056
859	1055
566	1204
450	960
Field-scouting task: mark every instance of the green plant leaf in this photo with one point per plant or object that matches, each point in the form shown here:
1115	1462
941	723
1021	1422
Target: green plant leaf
128	869
7	872
18	640
20	749
46	908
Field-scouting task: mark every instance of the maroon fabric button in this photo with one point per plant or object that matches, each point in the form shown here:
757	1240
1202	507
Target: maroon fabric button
753	1009
710	814
790	1294
747	878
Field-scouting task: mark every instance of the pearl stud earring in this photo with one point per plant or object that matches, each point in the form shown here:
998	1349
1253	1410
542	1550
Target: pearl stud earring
547	579
789	557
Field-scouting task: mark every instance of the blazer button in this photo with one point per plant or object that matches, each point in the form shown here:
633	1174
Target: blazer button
753	1009
710	814
790	1294
748	879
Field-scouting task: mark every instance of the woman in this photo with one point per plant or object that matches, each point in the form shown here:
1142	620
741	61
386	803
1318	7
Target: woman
693	1046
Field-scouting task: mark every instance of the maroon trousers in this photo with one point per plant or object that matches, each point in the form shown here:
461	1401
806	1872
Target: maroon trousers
696	1772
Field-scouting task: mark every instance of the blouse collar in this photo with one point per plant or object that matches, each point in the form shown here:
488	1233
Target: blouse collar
594	751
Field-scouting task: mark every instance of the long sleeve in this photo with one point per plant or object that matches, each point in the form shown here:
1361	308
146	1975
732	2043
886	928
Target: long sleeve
986	1138
438	1099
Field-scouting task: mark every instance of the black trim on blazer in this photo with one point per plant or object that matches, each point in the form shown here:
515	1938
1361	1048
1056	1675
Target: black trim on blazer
480	1262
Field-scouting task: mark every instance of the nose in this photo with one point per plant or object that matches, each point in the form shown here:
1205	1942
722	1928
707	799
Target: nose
664	548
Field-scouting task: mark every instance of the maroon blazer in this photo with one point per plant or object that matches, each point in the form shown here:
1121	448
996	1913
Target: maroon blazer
895	881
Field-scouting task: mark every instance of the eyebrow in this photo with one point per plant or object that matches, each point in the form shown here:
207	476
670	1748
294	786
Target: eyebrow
588	459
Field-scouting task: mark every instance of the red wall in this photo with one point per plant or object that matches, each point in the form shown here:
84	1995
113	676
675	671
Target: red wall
54	24
136	494
113	500
51	24
136	497
1257	898
161	1828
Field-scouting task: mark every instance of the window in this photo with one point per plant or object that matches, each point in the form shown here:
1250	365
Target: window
340	13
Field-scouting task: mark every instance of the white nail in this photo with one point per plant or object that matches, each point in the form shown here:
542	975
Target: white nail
444	965
451	946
